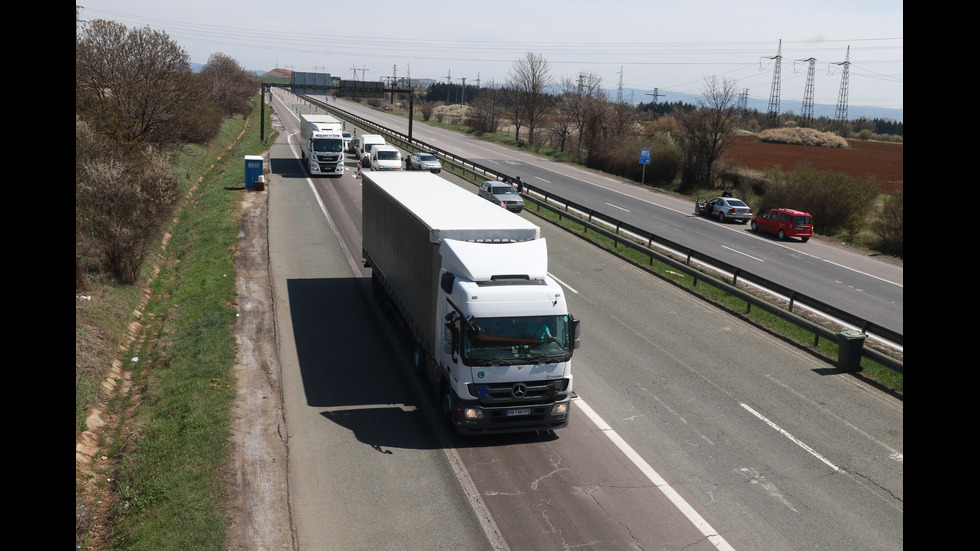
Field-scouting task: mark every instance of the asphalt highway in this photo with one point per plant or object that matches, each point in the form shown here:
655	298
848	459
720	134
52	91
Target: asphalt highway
690	430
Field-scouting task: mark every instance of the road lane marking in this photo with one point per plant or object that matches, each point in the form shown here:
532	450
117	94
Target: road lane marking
743	254
893	454
792	438
684	507
562	283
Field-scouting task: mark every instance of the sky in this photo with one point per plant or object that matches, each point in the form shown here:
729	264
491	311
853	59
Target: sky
633	45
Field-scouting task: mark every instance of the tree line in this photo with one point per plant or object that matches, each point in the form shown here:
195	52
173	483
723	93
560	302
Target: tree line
575	120
137	102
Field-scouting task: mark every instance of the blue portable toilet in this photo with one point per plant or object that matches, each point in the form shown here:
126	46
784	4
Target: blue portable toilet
253	169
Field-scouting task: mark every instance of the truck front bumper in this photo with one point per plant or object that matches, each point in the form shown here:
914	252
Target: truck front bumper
470	417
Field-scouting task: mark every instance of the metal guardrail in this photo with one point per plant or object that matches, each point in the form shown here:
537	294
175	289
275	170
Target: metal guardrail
627	235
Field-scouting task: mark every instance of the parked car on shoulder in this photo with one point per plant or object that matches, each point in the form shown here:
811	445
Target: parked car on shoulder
502	194
423	161
724	209
785	223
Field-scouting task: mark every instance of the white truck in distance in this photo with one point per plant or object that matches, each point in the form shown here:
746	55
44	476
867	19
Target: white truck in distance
365	143
322	145
491	329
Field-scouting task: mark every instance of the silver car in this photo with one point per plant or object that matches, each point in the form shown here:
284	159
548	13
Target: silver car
724	209
502	194
423	161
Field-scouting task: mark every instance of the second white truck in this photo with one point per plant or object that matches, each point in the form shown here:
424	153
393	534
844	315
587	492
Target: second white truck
491	328
322	145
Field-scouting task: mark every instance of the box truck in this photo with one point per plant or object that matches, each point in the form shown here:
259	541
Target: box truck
322	144
491	329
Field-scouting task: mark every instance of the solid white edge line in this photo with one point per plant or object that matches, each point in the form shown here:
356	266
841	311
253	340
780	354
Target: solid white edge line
684	507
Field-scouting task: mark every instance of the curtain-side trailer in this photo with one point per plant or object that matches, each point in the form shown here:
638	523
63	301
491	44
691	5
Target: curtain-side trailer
492	331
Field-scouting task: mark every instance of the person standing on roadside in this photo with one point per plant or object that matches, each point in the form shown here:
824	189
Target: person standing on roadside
520	185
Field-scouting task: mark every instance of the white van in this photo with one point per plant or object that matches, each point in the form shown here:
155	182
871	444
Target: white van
366	142
385	157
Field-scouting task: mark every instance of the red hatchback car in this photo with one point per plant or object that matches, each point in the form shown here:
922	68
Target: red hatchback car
785	223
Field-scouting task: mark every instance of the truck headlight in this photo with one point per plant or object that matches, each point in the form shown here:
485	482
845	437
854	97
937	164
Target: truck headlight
560	409
472	414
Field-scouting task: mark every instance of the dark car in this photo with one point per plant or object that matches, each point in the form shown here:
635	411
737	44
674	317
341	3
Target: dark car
724	209
785	223
502	194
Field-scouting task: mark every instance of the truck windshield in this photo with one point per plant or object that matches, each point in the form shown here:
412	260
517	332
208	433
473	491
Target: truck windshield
328	145
506	341
388	155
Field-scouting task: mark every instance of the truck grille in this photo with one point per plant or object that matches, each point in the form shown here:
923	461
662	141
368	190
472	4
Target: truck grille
524	392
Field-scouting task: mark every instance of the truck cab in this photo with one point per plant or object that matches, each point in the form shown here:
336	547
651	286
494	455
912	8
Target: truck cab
508	352
326	153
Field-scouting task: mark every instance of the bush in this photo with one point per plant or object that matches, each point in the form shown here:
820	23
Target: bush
802	136
122	199
622	157
889	226
837	201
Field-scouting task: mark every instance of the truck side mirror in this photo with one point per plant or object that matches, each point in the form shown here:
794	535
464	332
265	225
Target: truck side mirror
576	333
446	283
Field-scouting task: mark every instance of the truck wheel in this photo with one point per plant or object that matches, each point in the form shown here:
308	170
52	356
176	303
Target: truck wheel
418	358
448	403
376	288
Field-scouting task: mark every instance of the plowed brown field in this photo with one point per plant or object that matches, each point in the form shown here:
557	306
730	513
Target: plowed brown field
862	159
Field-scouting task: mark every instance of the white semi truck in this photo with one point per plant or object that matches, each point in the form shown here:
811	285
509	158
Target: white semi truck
491	328
322	144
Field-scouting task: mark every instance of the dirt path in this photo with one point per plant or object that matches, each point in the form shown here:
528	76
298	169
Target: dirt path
257	475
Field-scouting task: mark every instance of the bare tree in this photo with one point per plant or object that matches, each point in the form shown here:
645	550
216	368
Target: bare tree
229	86
587	107
561	125
135	86
529	80
487	109
708	132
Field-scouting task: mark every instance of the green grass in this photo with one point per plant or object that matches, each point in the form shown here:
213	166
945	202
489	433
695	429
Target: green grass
166	488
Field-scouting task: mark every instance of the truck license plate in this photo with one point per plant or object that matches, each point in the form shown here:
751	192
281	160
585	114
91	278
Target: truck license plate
513	412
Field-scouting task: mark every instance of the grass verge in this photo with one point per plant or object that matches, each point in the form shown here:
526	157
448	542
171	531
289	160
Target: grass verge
157	468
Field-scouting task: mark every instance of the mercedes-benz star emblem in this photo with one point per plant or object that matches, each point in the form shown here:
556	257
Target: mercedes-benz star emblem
519	390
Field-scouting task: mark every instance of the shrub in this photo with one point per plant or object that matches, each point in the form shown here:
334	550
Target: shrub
122	199
889	226
837	201
622	157
802	136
